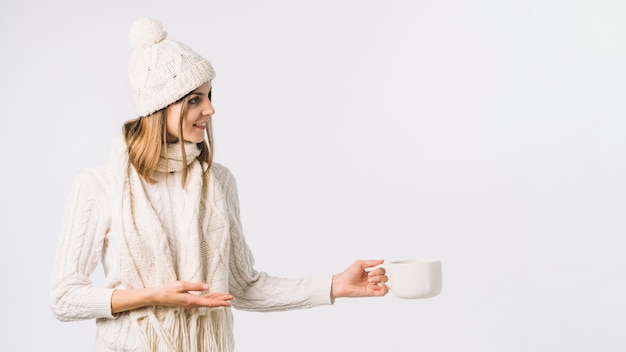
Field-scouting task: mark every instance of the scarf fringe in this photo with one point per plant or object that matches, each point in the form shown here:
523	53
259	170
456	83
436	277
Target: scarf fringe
187	331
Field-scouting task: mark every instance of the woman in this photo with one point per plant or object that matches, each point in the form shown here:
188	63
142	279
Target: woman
164	221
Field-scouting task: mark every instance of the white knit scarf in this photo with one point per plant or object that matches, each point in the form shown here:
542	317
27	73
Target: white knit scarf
145	258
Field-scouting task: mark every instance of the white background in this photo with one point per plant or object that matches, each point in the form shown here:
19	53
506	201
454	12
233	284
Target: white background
486	133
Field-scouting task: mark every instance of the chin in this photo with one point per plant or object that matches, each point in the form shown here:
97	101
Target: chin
194	137
195	140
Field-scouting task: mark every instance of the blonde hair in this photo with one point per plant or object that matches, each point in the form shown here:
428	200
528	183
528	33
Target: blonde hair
146	138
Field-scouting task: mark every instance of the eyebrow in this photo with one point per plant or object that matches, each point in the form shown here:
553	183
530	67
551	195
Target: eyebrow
199	93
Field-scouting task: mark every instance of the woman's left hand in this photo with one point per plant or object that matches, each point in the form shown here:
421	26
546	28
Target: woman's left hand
356	282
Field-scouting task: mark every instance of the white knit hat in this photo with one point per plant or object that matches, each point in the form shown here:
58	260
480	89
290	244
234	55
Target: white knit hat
161	70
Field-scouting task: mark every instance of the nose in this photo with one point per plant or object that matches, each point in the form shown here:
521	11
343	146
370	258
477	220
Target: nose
207	109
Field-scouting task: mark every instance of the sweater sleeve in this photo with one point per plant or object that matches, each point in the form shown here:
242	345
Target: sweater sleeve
257	291
73	297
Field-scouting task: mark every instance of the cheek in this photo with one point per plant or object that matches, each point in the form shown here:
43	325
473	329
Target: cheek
188	121
171	124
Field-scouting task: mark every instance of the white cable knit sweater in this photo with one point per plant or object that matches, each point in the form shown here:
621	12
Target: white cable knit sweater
150	234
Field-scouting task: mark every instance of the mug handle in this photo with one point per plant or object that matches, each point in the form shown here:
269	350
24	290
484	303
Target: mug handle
383	265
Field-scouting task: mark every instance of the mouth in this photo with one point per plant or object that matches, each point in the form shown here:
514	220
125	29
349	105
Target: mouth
200	125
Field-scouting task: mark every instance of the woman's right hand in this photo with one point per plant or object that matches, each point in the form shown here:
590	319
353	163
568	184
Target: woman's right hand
173	294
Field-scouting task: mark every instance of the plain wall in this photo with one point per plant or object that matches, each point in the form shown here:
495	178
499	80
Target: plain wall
486	133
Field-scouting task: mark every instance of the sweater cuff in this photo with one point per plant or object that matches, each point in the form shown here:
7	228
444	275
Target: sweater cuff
320	290
102	302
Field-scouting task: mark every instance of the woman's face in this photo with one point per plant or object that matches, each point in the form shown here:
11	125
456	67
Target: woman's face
196	119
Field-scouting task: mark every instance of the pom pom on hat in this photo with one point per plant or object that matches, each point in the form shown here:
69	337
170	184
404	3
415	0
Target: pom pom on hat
145	32
161	70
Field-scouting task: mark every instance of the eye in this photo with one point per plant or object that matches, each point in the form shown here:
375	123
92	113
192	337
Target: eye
193	100
211	91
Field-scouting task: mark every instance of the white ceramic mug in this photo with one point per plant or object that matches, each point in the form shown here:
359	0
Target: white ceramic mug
413	278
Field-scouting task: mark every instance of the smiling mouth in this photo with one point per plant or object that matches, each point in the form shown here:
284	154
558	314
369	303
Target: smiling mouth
201	125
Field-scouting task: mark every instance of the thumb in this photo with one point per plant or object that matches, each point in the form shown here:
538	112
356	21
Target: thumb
196	286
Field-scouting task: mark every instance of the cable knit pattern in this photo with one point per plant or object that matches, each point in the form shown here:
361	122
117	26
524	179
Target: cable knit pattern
150	234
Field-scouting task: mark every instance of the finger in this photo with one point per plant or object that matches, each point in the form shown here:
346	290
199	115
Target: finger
378	290
219	295
214	303
377	279
221	300
377	272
